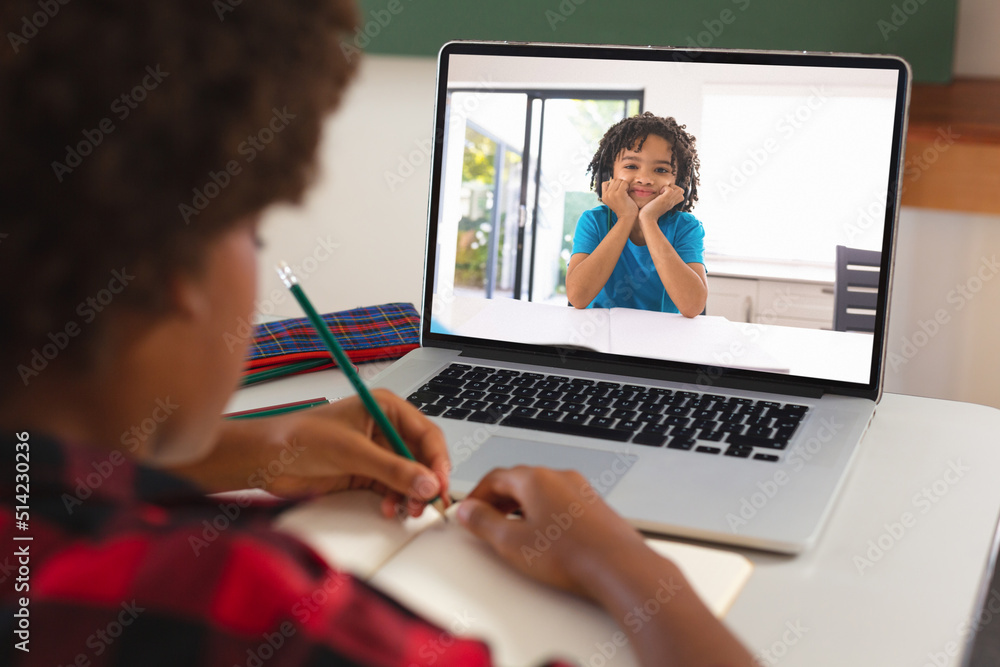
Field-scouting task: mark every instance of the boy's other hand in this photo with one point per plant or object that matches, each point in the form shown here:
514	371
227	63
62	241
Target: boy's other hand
615	195
670	196
564	534
332	448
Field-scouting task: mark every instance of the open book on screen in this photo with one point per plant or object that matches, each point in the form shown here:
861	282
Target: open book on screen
450	577
703	340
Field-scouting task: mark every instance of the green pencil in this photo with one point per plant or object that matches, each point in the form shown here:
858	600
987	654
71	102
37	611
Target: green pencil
292	283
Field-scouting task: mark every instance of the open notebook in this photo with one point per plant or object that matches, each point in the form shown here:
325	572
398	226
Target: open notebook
445	574
706	340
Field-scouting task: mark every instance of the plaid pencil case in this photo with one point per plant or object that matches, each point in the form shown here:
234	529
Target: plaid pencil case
292	346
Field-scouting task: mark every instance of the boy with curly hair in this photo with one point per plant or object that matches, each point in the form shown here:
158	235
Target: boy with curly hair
127	252
641	248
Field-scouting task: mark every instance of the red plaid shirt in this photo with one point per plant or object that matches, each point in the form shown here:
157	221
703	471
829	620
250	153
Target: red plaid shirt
130	565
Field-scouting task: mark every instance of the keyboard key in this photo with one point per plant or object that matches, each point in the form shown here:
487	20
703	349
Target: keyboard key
765	457
484	417
478	385
473	404
739	452
603	422
451	382
621	394
609	385
550	395
547	385
573	407
546	405
472	393
600	400
549	414
520	401
673	420
576	419
655	428
452	372
567	428
711	436
624	414
629	425
680	443
753	441
433	410
457	413
422	397
441	389
450	400
524	391
707	450
525	412
596	411
650	439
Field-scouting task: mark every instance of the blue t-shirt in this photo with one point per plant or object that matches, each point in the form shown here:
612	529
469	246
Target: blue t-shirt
634	282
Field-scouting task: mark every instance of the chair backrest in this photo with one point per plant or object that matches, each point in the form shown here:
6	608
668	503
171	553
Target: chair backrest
856	291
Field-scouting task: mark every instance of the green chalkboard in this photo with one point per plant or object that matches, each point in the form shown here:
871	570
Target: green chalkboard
922	31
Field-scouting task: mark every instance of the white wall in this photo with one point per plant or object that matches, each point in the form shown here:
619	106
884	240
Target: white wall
371	197
977	49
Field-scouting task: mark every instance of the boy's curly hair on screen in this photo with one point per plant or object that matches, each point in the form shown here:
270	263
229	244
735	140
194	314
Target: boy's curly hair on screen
631	133
115	114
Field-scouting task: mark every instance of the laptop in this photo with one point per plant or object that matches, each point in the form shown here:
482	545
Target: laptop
736	426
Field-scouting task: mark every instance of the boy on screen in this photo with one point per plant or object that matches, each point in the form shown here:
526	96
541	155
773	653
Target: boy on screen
641	248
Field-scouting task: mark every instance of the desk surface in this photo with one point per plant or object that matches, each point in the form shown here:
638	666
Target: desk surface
814	353
894	577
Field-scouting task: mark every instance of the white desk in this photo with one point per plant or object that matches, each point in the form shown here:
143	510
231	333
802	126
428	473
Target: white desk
712	340
824	607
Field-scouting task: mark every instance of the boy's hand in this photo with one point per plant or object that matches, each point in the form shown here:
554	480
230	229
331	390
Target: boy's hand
331	448
615	195
670	196
585	535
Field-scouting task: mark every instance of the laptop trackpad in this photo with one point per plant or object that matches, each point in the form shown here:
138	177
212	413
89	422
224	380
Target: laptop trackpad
602	469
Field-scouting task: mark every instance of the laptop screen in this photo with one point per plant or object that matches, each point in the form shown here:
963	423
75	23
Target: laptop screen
747	227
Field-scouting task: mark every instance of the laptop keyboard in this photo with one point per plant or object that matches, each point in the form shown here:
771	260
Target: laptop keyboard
650	416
